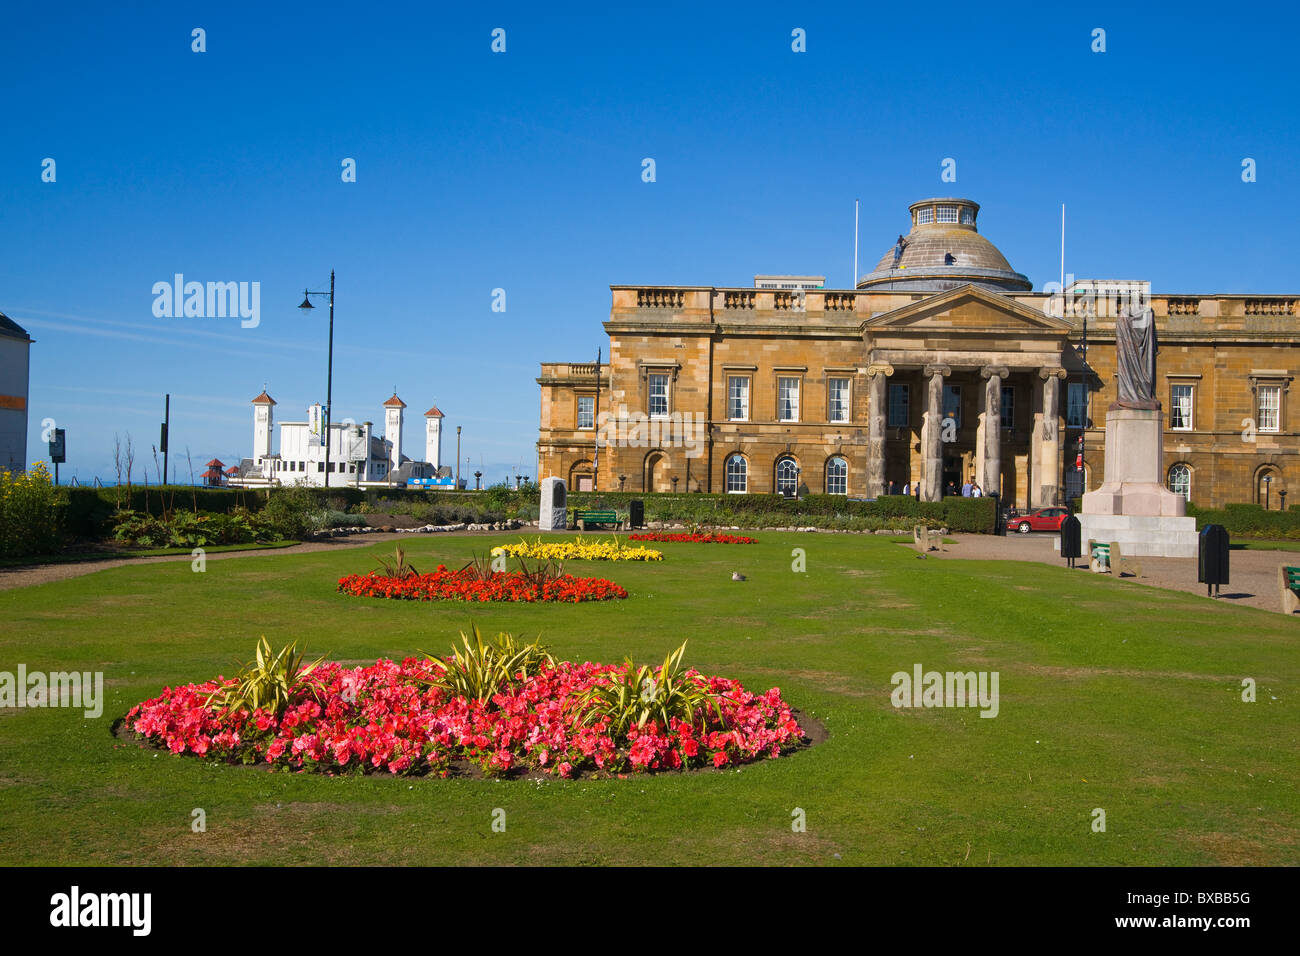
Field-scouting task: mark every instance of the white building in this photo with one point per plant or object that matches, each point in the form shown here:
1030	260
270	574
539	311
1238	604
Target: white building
15	371
357	456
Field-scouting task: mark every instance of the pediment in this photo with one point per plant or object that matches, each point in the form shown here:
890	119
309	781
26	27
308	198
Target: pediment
969	309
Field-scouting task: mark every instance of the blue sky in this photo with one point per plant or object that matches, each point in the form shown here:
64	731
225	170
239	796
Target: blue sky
522	170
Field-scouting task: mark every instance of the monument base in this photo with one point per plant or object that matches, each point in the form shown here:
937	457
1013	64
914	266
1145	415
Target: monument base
1143	536
553	513
1133	507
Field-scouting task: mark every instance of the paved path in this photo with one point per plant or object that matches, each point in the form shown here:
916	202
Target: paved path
42	573
1252	574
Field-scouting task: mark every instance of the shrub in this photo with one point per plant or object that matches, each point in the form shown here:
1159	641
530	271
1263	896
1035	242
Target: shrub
30	513
292	511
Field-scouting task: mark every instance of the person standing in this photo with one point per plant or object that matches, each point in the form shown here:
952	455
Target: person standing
965	489
975	490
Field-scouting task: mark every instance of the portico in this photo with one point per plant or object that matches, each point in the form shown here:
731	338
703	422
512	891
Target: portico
989	371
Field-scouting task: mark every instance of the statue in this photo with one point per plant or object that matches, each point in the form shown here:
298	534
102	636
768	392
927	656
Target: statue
1135	348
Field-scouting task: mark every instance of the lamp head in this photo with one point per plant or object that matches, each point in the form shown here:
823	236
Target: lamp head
306	300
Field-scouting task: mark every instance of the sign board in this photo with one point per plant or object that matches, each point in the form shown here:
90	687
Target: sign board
355	436
58	448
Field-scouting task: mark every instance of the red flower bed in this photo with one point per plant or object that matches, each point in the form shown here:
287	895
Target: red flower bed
694	538
386	718
464	585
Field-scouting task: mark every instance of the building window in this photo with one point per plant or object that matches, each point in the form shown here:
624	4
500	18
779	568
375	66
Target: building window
738	398
947	214
737	475
925	215
787	476
320	466
1180	481
658	394
1180	407
967	216
1008	406
586	411
839	400
952	403
787	399
837	476
1270	408
1076	407
900	410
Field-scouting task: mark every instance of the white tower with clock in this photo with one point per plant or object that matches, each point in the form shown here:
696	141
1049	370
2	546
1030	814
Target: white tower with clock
393	428
263	419
433	437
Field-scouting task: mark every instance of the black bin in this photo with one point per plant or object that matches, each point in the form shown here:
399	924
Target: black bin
636	513
999	519
1212	566
1071	539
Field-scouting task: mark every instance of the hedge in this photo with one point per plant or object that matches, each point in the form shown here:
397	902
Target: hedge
756	511
1249	520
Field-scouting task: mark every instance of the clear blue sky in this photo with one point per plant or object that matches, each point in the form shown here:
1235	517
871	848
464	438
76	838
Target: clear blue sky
522	171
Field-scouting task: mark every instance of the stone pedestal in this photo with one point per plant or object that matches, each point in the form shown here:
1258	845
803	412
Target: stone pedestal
553	514
1133	507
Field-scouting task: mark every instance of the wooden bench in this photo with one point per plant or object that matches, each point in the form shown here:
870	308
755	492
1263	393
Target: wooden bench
586	519
1289	581
1106	557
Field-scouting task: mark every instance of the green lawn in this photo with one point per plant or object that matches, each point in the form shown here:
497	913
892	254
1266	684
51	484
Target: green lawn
1113	696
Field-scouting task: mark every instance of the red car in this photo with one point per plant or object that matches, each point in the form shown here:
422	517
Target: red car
1044	519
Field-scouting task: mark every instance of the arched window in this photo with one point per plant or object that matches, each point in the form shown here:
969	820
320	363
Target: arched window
787	476
1267	484
737	475
837	476
1180	480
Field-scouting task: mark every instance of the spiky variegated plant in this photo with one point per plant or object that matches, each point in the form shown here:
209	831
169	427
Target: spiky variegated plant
268	682
484	667
642	694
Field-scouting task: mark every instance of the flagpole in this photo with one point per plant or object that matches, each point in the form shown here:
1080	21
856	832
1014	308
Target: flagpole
854	283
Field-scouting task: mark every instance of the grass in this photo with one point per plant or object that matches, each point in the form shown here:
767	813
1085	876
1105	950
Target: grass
1113	695
1249	544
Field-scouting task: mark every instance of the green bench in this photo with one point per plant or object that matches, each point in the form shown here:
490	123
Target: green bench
587	519
1289	579
1106	557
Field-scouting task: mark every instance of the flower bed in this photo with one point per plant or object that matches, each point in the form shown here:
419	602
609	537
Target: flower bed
387	717
693	538
583	549
467	585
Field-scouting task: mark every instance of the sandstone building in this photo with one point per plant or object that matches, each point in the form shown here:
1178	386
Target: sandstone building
942	365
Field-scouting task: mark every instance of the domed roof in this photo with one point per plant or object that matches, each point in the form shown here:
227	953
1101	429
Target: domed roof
944	250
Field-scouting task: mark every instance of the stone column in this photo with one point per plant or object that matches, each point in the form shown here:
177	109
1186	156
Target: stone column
991	480
932	434
876	376
1048	439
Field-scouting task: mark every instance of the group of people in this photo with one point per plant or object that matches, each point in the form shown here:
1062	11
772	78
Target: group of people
971	489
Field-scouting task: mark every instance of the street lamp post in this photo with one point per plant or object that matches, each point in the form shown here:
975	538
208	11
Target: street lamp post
458	458
1268	481
329	370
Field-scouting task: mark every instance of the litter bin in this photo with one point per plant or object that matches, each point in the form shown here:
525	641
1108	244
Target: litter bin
1212	566
635	514
999	519
1071	539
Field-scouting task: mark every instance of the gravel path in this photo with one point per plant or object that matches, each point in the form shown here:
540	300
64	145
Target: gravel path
1252	574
